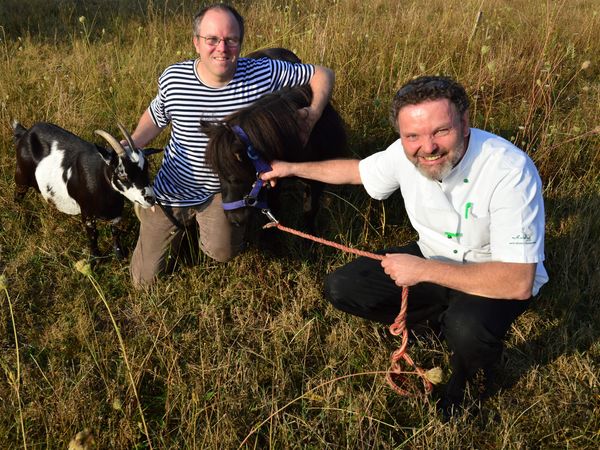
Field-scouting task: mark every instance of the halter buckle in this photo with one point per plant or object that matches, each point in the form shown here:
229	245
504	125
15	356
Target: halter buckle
267	212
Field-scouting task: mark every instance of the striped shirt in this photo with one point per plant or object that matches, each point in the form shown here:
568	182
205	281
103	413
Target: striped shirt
184	178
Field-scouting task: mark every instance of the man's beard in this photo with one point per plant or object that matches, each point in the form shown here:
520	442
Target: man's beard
439	172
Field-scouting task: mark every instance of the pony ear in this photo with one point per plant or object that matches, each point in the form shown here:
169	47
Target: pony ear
221	144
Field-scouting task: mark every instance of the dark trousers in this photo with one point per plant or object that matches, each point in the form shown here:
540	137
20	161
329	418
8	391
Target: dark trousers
472	326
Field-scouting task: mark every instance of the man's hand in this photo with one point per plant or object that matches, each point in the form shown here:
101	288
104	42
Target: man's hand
405	270
280	169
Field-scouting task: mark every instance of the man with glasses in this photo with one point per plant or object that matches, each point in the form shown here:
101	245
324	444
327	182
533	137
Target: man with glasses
475	201
210	87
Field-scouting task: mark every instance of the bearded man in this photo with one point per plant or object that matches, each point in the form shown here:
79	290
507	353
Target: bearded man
476	203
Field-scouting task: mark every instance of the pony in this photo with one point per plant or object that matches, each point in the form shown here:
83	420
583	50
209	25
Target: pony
270	126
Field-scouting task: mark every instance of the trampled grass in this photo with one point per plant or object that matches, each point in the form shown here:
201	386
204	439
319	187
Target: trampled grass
248	353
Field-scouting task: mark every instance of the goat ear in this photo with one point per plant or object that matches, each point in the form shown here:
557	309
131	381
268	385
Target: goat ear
108	156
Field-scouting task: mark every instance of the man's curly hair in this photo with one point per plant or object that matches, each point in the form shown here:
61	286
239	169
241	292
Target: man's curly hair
426	88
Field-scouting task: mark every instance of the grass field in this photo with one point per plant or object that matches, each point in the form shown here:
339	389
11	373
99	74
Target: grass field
248	354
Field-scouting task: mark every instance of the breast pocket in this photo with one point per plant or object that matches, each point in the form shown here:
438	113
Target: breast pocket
475	231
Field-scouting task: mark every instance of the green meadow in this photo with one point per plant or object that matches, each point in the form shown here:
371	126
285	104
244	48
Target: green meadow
248	354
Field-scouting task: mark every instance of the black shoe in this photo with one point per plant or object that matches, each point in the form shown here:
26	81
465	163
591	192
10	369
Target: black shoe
451	403
449	408
490	384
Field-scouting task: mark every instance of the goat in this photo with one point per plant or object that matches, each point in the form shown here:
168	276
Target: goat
79	177
271	127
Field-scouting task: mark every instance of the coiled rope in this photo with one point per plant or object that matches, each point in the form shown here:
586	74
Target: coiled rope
395	377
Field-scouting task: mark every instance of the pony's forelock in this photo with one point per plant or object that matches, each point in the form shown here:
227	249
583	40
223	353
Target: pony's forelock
223	150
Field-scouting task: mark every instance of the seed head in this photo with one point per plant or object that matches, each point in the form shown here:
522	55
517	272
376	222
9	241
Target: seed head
434	375
84	267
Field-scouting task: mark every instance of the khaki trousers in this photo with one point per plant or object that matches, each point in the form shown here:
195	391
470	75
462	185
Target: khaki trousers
159	240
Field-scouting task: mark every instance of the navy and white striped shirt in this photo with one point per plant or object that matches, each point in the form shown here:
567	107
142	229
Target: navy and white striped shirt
184	178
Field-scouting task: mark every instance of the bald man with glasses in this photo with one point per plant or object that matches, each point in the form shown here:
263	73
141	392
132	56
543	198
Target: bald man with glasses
215	84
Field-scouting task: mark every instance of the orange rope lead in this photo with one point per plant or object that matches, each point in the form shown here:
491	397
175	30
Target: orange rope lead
395	375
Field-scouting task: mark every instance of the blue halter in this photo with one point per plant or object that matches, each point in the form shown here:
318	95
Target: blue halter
260	165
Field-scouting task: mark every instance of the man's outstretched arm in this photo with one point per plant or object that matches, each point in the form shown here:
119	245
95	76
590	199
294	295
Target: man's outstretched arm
333	171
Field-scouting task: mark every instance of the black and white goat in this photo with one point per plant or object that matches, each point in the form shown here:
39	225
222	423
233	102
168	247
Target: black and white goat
79	177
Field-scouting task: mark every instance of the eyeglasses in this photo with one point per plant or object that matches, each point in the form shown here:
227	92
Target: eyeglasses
213	41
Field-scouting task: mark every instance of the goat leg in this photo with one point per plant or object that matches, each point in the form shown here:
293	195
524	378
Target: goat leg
20	191
116	237
92	233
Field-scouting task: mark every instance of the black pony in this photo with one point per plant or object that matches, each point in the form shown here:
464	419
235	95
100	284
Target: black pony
271	127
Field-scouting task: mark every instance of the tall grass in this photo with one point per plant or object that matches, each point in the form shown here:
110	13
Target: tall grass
216	355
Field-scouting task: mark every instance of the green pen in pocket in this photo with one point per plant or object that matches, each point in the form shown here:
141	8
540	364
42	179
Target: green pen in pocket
468	206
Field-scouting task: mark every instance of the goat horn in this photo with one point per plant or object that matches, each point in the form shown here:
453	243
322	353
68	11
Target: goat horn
116	145
127	136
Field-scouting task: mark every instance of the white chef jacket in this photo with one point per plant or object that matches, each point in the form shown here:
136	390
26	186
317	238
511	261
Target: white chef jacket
488	208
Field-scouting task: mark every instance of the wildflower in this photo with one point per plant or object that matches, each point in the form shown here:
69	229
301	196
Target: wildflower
81	19
586	65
